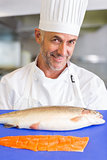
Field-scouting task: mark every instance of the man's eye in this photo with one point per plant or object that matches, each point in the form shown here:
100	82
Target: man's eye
72	42
55	40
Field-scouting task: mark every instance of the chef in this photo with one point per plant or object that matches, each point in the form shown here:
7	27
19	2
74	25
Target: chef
52	79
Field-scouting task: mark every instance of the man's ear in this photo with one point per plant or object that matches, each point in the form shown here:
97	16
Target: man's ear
38	36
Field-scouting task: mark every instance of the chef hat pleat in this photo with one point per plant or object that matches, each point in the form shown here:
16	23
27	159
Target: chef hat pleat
63	16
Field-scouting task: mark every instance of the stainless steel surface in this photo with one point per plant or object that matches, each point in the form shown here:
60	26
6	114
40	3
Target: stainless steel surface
92	59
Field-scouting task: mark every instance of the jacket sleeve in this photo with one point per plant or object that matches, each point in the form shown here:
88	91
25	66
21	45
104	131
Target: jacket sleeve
6	94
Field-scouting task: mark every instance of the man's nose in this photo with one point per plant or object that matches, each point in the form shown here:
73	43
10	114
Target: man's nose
62	49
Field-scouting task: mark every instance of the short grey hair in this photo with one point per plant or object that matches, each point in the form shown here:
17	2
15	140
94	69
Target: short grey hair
42	34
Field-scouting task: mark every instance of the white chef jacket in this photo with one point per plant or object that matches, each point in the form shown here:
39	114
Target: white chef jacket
29	87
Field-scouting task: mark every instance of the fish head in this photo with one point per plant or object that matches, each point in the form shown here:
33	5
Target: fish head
93	116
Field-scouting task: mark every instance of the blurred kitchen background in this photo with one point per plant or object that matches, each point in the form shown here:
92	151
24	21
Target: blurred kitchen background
18	20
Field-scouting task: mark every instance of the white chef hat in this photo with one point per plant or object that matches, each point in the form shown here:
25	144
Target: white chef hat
63	16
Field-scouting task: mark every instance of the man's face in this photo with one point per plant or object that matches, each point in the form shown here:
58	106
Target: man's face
57	49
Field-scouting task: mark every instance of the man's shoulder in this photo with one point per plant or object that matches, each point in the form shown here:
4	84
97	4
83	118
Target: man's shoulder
18	74
80	70
84	75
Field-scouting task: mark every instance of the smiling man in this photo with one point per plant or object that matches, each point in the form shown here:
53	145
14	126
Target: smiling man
56	51
52	79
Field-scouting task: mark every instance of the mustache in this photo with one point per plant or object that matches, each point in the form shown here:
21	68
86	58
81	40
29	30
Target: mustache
56	54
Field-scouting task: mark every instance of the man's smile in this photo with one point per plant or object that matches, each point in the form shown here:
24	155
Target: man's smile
58	57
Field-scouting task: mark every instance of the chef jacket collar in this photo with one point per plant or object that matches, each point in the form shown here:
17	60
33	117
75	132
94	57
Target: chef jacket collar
39	74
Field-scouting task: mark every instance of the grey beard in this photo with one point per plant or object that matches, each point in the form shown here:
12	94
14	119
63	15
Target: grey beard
49	64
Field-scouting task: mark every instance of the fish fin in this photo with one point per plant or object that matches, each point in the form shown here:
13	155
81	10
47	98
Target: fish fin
8	125
35	126
76	119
